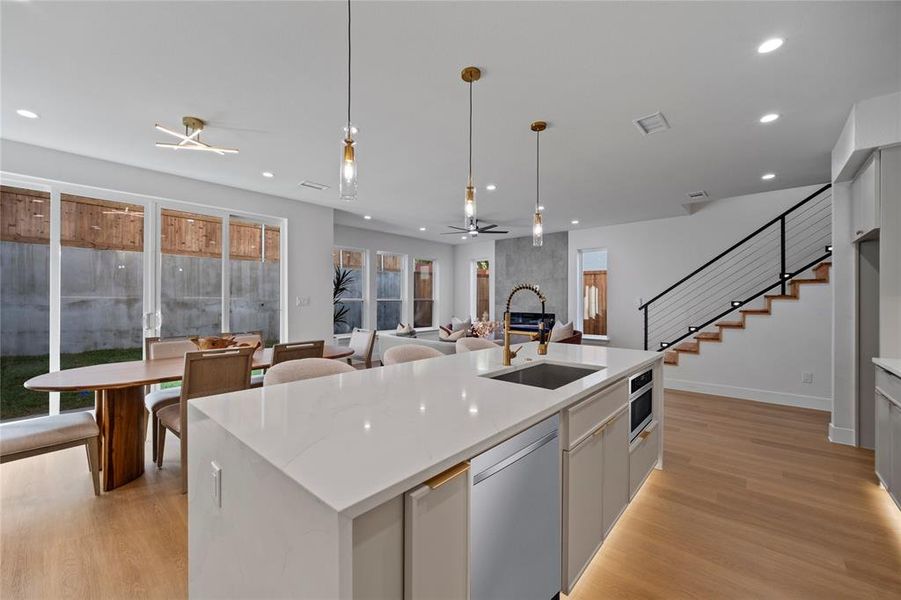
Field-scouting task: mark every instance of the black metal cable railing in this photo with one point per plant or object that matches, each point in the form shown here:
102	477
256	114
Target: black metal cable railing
763	261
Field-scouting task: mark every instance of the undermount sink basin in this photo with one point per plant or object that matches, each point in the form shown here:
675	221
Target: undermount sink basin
547	375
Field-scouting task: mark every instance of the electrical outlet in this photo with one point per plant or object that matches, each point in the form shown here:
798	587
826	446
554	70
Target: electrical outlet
216	476
806	377
302	301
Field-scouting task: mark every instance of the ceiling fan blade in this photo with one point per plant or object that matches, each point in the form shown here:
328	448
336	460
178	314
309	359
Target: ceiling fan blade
487	227
458	228
454	232
495	231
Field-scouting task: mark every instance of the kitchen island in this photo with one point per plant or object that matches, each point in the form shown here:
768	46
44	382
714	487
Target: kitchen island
310	489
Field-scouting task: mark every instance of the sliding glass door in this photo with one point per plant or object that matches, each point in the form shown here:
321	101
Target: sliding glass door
254	271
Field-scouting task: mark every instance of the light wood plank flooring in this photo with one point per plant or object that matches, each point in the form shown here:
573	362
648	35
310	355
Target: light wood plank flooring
754	502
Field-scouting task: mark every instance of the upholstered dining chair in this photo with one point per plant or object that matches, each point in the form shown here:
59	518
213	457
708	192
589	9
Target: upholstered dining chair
408	353
207	373
362	342
156	348
469	344
304	368
250	338
297	351
30	437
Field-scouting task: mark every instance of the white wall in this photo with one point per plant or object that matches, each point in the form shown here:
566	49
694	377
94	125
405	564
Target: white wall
765	360
464	255
375	241
646	257
308	233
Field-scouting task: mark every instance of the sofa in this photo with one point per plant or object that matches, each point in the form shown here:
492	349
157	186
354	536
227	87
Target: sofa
389	340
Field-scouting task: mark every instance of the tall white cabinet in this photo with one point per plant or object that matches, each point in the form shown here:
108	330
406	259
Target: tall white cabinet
888	429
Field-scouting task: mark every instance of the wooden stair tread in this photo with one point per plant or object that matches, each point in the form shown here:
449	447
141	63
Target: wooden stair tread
782	297
755	311
671	357
811	280
732	324
710	336
691	347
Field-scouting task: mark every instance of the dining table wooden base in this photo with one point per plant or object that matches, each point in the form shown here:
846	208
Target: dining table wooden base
123	428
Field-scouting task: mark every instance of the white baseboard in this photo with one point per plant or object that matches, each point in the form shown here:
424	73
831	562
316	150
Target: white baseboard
842	435
767	396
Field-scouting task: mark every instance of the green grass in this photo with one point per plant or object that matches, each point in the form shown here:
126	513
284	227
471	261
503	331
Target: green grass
16	401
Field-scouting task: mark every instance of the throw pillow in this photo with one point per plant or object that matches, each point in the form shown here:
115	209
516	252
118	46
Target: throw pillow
405	330
561	331
460	324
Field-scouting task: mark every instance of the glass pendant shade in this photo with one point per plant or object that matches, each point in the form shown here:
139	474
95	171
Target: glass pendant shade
469	203
537	230
348	175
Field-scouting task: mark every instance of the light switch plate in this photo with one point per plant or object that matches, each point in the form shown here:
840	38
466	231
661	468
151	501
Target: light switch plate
806	377
216	475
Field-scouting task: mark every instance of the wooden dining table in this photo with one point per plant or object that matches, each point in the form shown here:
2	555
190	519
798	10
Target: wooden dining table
119	393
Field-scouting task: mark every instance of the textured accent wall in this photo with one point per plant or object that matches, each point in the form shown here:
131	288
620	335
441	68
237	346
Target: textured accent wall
517	261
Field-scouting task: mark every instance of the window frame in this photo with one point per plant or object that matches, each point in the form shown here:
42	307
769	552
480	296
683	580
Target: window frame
364	269
578	320
474	289
404	287
433	299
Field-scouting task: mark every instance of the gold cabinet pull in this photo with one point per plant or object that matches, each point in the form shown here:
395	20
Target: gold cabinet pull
441	478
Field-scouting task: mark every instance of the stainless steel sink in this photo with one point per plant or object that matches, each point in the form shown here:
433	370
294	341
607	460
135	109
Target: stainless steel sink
545	375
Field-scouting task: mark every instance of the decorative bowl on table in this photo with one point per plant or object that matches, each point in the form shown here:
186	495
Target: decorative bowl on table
215	342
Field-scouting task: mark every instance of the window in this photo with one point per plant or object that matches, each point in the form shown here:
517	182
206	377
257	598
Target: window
481	286
593	292
254	269
349	289
424	293
25	300
389	290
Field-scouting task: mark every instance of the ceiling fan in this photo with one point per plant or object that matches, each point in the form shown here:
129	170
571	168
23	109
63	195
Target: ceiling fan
474	228
191	138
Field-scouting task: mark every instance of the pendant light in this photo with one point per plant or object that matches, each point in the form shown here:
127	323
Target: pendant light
347	186
469	75
537	227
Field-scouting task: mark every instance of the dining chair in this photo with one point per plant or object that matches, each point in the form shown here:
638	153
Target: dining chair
408	353
362	342
304	368
31	437
469	344
297	351
250	338
156	348
207	373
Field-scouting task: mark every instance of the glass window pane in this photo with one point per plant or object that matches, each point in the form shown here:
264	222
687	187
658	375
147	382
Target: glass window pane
348	287
593	296
389	290
482	285
24	300
348	315
422	313
254	279
423	292
101	286
191	274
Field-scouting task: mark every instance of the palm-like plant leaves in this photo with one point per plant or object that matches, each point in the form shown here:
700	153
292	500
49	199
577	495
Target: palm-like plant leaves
341	285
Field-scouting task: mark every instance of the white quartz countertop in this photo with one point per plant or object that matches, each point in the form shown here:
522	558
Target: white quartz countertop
892	365
358	439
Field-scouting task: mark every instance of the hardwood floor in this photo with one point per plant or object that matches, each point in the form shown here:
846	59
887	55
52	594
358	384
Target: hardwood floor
754	502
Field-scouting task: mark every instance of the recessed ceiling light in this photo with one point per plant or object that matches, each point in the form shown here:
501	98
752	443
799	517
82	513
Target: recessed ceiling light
769	118
28	114
268	174
422	229
770	45
490	187
367	217
575	221
462	237
766	176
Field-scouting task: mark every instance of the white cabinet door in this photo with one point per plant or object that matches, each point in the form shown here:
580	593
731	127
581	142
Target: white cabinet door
436	537
884	439
865	199
616	469
583	514
895	483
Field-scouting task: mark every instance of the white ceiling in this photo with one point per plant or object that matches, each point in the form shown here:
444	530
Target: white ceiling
269	78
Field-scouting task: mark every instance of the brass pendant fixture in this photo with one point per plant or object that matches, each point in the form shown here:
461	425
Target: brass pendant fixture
469	75
537	226
347	186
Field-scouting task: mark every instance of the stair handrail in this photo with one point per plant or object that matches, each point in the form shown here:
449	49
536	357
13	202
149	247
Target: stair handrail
783	279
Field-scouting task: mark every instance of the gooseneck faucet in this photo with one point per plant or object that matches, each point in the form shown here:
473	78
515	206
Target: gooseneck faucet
509	354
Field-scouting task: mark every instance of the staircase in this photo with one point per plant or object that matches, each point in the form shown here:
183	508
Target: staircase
821	275
771	264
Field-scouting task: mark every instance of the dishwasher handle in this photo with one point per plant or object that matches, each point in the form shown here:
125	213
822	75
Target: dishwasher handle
513	458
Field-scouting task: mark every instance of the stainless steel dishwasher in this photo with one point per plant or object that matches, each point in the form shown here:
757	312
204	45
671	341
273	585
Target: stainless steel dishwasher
515	520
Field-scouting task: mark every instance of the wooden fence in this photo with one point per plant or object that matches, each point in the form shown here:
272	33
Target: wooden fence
596	324
107	225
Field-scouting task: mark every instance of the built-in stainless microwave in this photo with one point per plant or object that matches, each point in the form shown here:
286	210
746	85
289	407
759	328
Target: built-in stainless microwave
641	395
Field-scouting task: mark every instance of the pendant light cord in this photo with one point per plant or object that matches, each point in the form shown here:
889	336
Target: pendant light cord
470	129
348	67
537	168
